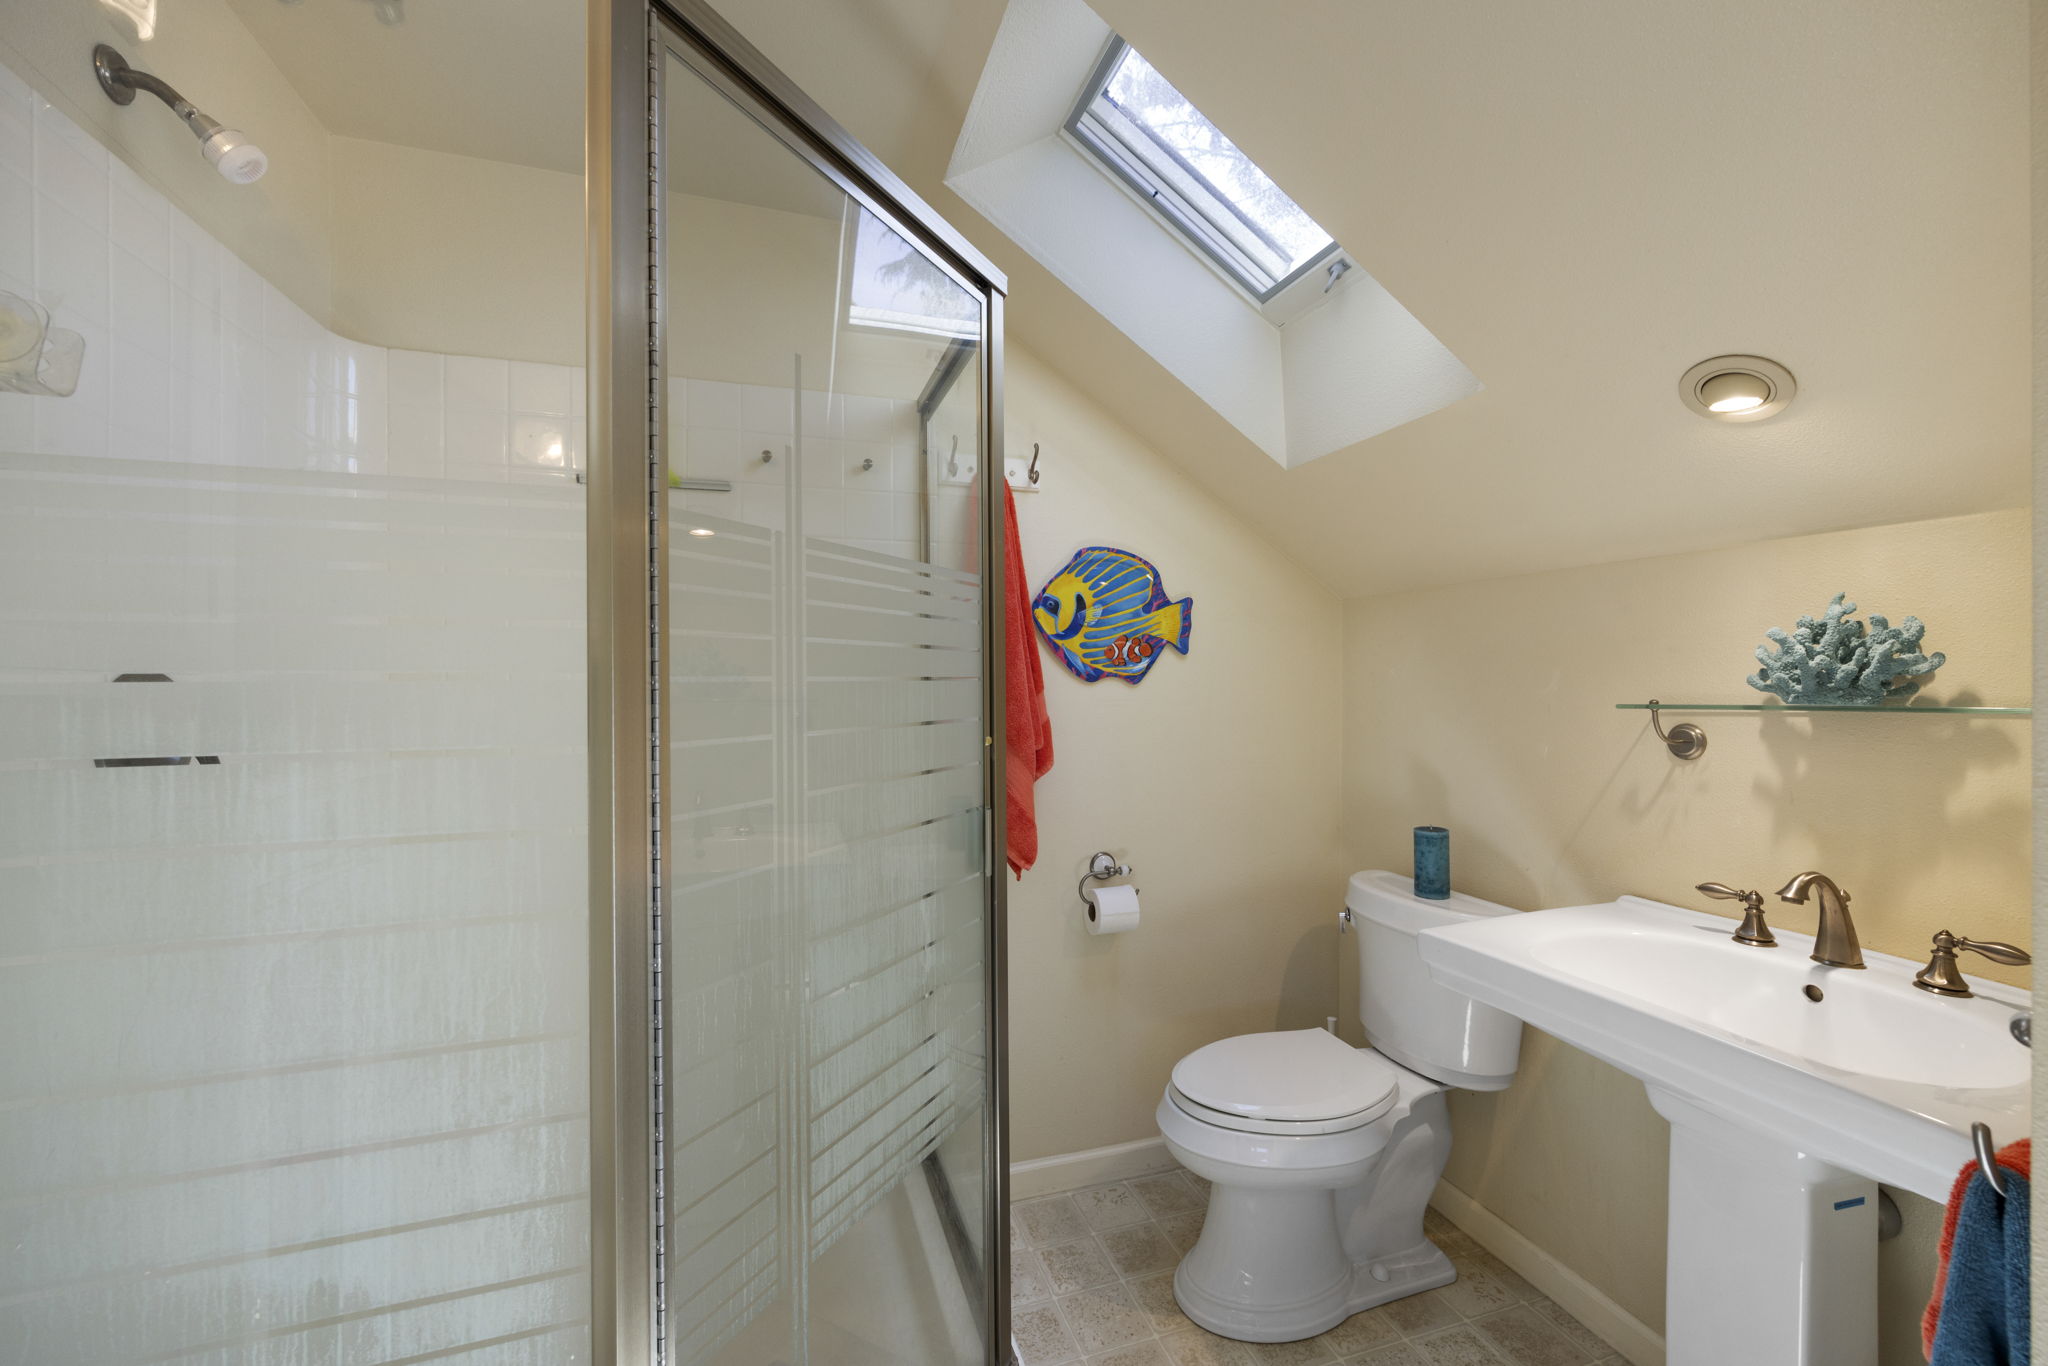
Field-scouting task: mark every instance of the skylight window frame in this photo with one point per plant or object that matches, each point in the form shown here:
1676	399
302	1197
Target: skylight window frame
1184	212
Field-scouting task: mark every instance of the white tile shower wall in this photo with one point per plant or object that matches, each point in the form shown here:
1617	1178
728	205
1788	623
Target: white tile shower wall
856	459
474	417
307	1071
193	357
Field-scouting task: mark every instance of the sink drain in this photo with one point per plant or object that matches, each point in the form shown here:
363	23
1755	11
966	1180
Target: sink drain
1812	993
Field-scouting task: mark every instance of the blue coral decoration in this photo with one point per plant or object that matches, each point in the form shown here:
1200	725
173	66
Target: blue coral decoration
1839	661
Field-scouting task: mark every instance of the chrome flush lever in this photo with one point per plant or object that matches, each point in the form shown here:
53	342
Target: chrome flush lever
1753	930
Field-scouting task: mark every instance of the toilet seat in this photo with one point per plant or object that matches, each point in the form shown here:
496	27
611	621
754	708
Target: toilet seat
1300	1081
1246	1124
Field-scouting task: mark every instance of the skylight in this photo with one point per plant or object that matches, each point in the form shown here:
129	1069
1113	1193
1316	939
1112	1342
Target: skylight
1156	142
892	285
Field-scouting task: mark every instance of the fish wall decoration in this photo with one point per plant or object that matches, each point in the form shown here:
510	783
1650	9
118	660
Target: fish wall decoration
1106	615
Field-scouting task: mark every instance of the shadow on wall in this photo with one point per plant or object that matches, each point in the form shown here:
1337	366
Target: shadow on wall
1505	883
1851	786
1549	1082
1312	974
1822	792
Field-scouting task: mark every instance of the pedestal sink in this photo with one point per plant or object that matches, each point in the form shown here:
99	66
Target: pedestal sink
1792	1090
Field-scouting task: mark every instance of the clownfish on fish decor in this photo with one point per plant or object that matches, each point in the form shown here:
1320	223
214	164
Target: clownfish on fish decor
1106	615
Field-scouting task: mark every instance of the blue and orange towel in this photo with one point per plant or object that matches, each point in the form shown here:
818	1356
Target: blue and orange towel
1978	1314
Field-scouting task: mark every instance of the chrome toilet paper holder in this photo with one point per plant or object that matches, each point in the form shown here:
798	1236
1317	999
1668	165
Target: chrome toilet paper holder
1102	867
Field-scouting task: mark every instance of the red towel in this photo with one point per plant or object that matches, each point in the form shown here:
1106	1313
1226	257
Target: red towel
2018	1156
1029	737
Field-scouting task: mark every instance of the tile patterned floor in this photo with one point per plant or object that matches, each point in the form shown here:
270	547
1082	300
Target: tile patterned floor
1092	1283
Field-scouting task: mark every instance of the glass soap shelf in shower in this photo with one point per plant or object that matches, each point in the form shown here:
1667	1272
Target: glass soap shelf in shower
1920	709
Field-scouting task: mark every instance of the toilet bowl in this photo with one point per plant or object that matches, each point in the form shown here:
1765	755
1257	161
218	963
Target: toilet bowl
1321	1157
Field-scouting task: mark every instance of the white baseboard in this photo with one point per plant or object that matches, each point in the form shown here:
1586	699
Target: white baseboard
1627	1334
1072	1171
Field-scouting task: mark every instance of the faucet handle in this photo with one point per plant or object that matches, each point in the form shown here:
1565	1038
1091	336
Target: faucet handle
1997	952
1753	930
1941	975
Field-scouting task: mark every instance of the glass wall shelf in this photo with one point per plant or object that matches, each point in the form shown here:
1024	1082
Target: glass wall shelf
1909	709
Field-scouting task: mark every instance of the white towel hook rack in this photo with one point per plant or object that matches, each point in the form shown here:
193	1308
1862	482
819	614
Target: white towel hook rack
1021	472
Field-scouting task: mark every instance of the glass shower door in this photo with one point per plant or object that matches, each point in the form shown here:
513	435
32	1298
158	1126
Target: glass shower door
826	933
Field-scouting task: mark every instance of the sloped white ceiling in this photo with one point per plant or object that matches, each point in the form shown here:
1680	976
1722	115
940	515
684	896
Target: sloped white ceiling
1352	364
1582	197
1585	198
497	79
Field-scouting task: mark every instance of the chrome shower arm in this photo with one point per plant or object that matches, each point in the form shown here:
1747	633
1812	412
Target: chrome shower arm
197	121
121	81
227	150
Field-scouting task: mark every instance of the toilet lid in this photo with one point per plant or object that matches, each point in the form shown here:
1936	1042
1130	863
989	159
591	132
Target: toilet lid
1294	1075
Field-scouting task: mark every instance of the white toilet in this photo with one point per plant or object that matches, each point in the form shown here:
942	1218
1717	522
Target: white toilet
1321	1156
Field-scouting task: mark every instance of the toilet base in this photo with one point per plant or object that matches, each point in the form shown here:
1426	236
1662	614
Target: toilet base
1423	1267
1288	1252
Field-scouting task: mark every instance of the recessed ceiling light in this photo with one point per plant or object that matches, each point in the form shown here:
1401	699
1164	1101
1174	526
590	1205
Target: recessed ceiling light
702	531
1737	388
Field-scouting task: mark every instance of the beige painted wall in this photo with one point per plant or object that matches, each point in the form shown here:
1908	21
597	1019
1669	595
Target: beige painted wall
1216	778
1488	707
434	252
781	271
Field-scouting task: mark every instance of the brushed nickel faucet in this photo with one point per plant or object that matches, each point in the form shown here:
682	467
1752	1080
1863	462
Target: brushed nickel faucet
1942	977
1835	942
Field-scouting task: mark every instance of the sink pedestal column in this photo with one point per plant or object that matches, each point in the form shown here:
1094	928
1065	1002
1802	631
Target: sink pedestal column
1772	1254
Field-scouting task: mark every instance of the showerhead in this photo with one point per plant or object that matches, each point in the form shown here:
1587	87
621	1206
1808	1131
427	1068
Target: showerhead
234	156
227	150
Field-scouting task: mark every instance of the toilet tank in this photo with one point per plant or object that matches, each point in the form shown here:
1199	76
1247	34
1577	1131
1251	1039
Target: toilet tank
1425	1027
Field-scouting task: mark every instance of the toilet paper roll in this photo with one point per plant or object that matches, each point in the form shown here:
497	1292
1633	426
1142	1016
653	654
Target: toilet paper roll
1112	910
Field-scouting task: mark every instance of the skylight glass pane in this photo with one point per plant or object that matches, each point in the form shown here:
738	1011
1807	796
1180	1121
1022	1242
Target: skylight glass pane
1269	225
893	285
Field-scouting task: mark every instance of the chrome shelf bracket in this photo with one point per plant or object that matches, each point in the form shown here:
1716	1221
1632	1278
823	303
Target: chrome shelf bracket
1684	740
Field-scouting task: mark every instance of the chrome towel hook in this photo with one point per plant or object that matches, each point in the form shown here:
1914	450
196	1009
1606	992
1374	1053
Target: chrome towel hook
1033	471
1987	1157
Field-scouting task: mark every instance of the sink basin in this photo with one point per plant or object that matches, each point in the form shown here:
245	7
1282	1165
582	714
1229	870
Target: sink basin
1875	1076
1792	1088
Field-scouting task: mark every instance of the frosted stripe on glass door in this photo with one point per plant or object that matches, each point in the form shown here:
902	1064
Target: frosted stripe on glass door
893	806
884	712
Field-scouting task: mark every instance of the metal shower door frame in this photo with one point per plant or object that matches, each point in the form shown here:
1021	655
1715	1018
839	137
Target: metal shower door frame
628	518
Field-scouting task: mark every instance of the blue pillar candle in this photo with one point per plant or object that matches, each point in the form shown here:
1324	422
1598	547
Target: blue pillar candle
1433	862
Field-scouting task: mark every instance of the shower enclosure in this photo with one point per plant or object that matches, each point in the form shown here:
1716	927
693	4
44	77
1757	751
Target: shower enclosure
497	838
813	717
